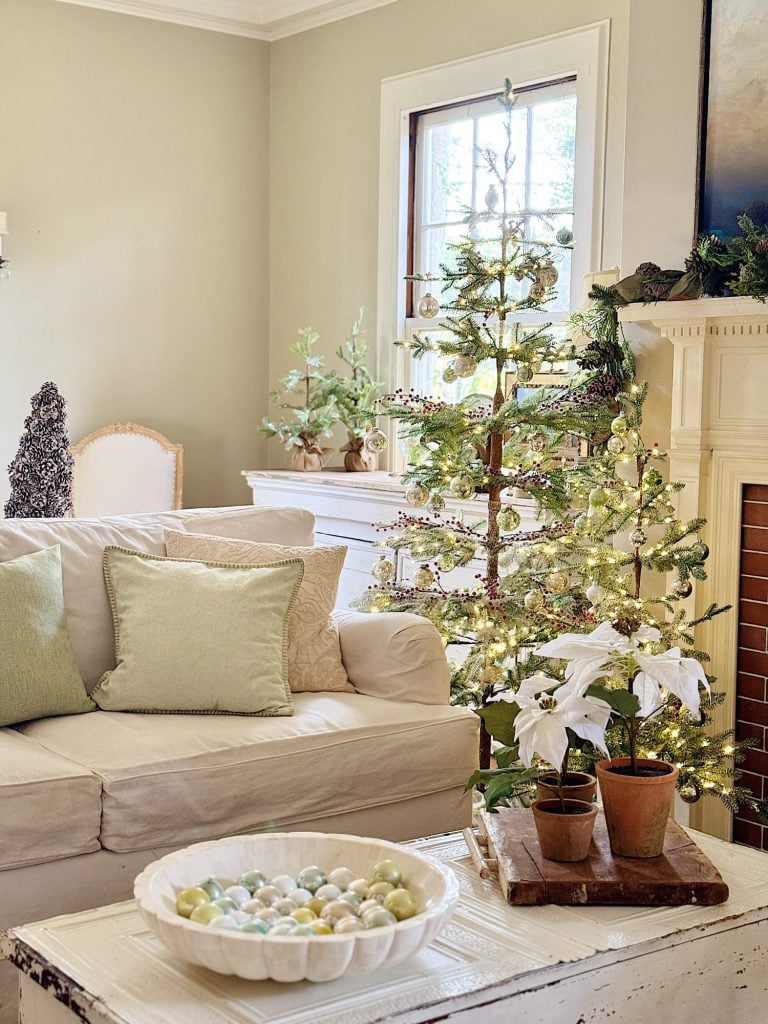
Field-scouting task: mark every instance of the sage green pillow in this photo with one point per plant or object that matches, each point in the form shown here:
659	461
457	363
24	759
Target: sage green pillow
38	675
198	637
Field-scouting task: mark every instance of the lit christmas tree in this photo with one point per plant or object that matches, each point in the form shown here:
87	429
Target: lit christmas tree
602	522
41	472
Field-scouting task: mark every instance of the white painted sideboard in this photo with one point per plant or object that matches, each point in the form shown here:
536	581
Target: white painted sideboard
348	506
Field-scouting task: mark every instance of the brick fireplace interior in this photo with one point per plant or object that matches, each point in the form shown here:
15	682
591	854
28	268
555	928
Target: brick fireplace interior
752	677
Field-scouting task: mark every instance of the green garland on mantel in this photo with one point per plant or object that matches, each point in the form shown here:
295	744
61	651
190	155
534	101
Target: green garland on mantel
714	268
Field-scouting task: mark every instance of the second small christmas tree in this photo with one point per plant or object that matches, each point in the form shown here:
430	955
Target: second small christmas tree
41	472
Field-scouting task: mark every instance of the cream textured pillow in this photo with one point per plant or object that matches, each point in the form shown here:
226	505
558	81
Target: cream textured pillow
314	653
206	638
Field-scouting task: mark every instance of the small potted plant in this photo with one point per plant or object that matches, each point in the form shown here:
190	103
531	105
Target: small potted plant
355	397
549	720
311	420
629	672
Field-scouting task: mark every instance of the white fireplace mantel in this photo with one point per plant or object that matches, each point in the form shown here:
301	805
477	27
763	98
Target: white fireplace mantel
719	442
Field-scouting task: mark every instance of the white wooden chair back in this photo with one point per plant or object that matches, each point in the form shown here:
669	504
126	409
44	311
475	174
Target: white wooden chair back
125	468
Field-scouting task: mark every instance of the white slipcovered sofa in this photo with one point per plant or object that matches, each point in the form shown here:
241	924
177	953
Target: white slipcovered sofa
87	800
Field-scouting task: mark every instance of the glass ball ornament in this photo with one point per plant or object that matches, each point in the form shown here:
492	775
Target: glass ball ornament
462	487
417	495
538	443
533	600
508	518
547	275
428	306
446	562
383	570
375	441
616	445
620	426
638	537
465	366
594	593
557	582
582	525
564	236
700	550
690	792
492	198
436	502
598	497
652	478
423	578
449	375
682	588
524	373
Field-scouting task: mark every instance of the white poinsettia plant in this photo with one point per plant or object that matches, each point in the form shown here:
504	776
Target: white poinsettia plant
607	676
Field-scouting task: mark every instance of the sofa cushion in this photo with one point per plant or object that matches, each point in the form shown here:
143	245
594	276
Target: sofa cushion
179	779
50	807
198	637
82	543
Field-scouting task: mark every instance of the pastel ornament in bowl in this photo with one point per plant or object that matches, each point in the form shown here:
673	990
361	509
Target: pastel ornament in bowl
304	951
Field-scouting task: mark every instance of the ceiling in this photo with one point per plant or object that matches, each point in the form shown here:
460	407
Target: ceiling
258	19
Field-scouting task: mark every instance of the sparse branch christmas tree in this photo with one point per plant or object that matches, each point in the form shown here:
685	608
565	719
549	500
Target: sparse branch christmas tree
605	523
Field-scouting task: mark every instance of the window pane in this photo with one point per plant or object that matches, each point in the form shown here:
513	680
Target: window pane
491	135
448	171
553	149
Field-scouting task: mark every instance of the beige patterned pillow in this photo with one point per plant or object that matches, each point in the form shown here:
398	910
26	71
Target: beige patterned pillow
314	654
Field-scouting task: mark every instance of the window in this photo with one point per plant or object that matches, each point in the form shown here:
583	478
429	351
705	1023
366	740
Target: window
431	120
448	179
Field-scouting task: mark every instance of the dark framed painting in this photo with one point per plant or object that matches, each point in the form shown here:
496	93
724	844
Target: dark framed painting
733	156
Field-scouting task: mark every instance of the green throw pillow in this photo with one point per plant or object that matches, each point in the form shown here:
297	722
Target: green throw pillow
198	637
38	675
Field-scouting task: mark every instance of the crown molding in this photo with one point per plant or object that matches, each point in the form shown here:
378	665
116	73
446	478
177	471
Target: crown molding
256	19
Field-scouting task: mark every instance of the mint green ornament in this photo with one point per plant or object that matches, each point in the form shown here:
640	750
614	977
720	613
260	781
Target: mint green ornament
598	497
213	887
620	426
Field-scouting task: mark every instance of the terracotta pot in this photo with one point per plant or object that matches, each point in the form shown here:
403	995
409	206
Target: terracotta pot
579	786
564	837
637	806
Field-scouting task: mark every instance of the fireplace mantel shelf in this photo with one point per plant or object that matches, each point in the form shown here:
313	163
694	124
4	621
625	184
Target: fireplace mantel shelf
694	310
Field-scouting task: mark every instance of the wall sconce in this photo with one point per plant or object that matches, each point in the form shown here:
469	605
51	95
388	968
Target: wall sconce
4	271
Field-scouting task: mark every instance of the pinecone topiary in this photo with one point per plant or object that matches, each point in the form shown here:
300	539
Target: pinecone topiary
41	472
648	269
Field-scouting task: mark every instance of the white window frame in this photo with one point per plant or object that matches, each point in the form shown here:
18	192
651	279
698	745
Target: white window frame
582	52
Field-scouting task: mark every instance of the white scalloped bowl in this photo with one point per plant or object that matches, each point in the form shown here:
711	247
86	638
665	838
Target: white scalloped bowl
289	958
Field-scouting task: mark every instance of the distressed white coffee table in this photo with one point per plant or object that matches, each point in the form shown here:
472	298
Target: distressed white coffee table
494	964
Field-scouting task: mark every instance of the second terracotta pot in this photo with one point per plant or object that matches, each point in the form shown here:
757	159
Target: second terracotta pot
636	806
564	836
578	786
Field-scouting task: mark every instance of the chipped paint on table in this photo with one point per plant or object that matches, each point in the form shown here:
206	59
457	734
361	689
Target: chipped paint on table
544	965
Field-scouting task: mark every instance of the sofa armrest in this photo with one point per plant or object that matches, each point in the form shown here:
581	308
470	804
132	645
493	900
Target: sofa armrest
395	656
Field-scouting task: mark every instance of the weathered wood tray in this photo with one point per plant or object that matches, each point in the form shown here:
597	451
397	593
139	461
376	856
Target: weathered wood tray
683	874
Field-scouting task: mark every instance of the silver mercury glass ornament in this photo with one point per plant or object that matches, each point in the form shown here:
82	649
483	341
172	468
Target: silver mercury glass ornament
428	306
383	570
375	441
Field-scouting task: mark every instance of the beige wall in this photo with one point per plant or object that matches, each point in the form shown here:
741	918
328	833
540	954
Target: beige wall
325	146
134	165
134	170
